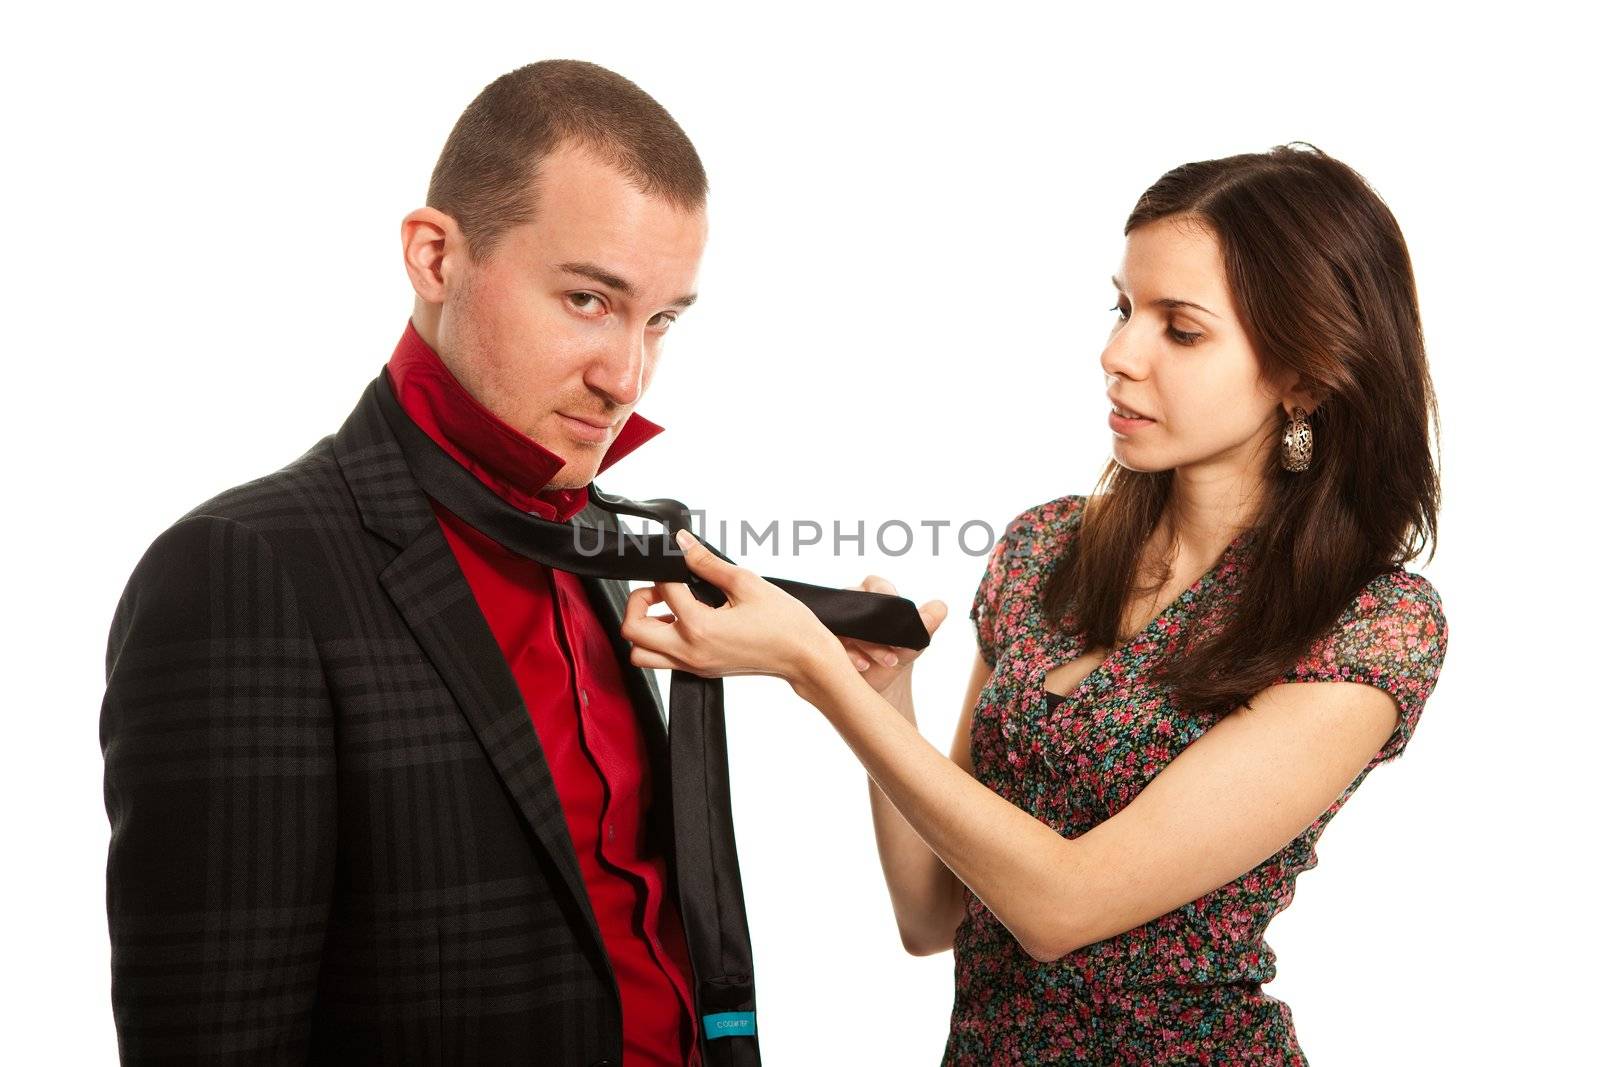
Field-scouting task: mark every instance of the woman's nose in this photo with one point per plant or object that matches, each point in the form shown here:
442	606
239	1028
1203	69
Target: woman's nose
1121	355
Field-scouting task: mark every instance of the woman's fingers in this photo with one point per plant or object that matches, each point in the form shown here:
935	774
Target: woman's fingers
883	654
874	584
650	635
672	641
643	657
731	578
676	595
654	633
639	601
857	656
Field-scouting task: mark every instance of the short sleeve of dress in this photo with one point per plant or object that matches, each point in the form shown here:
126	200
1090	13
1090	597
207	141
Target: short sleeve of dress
985	613
1392	636
1008	577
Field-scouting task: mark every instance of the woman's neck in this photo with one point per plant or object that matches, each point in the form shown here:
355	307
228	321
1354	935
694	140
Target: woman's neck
1204	513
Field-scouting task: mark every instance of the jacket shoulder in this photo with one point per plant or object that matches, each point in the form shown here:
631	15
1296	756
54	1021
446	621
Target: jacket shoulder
265	524
285	494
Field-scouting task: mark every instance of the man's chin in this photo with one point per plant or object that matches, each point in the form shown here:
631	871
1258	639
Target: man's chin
572	477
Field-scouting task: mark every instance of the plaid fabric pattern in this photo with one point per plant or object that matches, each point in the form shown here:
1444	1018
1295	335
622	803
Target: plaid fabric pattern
334	837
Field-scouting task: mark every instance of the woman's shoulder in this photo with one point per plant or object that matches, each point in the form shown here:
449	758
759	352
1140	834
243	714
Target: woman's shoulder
1392	635
1397	614
1011	577
1043	529
1398	598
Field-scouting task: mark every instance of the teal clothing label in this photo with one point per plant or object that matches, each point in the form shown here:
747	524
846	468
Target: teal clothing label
731	1024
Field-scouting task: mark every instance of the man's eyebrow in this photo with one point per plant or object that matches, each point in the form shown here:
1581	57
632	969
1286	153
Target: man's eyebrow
612	281
1167	301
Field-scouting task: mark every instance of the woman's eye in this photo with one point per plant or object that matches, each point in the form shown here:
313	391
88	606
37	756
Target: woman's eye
1122	311
1182	337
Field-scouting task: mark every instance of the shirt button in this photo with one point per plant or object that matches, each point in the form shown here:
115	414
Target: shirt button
611	831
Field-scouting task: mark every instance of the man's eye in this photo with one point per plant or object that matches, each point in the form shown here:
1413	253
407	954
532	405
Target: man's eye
584	301
663	320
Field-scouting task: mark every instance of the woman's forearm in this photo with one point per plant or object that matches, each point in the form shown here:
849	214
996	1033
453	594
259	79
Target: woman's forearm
926	896
1019	867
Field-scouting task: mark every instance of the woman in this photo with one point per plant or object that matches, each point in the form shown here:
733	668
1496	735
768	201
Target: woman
1135	784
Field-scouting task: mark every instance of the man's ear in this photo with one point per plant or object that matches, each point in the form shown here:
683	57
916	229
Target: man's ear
431	245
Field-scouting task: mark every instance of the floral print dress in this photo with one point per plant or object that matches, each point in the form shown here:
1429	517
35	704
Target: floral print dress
1185	987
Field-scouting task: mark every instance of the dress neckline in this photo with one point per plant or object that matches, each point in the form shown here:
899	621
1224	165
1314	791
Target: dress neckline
1056	640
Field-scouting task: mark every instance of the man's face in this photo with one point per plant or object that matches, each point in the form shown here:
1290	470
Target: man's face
558	329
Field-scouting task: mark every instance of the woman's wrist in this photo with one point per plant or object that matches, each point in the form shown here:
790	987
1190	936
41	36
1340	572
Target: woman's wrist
898	692
824	668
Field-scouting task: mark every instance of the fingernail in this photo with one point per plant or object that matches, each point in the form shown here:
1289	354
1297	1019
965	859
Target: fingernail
862	664
890	659
682	538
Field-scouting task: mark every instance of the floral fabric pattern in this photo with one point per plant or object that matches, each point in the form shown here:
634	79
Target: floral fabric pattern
1184	988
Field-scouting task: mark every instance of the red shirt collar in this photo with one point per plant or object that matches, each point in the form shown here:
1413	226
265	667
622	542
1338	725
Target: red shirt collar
505	459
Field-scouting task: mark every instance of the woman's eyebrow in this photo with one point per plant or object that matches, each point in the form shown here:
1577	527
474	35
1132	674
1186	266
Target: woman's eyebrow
1168	301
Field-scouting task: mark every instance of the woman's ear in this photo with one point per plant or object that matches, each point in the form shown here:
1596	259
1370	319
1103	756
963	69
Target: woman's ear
1304	395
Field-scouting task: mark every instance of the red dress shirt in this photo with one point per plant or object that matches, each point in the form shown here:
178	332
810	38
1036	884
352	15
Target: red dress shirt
572	684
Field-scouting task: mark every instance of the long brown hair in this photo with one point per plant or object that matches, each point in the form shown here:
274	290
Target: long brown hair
1321	275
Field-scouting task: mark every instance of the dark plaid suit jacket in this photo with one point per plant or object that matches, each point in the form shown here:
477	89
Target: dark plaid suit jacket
334	836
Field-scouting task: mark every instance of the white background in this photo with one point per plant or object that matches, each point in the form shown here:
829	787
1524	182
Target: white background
914	215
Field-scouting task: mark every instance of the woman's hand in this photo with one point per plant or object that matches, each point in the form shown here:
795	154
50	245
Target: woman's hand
883	665
760	630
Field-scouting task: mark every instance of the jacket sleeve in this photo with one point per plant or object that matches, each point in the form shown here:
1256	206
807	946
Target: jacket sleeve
217	733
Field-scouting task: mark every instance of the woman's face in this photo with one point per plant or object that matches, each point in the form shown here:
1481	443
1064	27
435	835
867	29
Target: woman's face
1179	355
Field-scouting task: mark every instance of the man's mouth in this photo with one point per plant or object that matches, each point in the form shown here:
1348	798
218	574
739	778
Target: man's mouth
599	424
585	430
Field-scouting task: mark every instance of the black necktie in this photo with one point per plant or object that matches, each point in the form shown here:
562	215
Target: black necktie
706	862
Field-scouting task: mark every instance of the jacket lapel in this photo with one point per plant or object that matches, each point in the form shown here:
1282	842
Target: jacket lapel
427	586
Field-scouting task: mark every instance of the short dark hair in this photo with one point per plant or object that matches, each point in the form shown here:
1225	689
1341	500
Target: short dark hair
486	178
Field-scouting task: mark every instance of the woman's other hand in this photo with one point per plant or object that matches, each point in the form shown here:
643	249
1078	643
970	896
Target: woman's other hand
884	665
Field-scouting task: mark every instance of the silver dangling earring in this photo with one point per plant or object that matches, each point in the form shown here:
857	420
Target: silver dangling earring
1296	452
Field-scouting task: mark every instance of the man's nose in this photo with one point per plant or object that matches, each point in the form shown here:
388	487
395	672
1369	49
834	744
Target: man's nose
618	371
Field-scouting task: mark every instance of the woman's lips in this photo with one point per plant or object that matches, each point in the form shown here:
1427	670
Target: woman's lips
1121	425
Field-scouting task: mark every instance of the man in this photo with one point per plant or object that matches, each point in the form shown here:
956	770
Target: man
380	789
